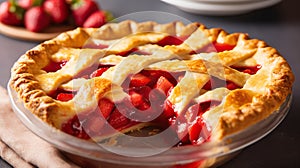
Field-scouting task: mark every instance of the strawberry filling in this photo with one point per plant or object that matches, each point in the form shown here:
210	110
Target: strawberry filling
54	66
220	47
250	69
146	102
171	40
214	83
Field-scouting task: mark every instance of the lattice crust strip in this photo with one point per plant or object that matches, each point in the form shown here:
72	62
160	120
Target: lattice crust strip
259	94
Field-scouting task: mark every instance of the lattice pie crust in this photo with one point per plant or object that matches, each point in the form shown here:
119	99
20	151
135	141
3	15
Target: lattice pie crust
257	97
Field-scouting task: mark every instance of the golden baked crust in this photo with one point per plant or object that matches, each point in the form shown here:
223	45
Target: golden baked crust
260	95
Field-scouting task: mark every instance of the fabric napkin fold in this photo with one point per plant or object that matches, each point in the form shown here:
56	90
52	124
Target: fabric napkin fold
20	147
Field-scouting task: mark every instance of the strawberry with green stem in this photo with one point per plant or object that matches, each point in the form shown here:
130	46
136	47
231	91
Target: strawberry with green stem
82	9
11	13
97	19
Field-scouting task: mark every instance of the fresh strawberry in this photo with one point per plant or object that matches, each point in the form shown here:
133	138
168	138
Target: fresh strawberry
96	19
163	84
98	72
36	19
57	9
11	13
82	9
106	107
26	4
64	96
139	80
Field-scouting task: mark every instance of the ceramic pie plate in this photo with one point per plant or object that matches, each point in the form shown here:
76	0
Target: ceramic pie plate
22	34
217	9
91	154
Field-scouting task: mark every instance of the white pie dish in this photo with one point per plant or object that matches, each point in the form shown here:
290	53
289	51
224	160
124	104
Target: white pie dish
216	8
90	154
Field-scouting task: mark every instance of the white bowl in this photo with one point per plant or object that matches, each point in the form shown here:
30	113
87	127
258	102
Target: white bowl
218	9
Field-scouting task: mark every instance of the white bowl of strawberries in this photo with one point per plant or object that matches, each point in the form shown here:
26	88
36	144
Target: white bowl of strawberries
38	15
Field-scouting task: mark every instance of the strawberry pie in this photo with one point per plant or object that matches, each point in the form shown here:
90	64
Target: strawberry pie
202	84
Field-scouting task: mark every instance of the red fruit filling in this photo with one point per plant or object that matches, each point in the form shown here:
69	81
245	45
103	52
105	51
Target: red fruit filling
250	70
99	72
220	47
214	47
148	92
171	40
64	96
214	83
54	66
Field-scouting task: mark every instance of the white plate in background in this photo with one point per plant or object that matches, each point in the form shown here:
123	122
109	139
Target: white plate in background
218	9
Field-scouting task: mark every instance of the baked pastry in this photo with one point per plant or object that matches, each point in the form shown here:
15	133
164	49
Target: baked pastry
204	83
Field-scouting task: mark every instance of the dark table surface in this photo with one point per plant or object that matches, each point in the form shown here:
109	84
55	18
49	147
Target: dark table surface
279	26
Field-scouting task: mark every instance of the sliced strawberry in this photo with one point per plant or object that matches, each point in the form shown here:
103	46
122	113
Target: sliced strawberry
167	114
118	120
164	85
142	90
157	99
36	19
106	107
82	9
156	74
64	96
136	99
57	9
11	13
99	72
199	131
223	47
139	80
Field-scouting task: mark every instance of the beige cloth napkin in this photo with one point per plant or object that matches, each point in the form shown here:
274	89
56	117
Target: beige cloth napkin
20	147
